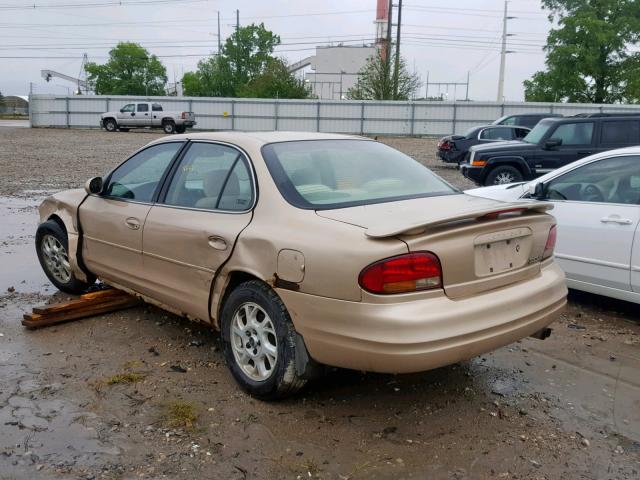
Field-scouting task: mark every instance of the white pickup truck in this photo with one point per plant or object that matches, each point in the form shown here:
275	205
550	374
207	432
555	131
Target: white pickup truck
147	115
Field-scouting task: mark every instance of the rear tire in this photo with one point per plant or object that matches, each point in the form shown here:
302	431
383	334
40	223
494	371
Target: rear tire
259	342
169	127
110	125
181	129
52	247
503	175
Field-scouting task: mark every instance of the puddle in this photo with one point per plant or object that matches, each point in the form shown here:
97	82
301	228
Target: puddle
19	267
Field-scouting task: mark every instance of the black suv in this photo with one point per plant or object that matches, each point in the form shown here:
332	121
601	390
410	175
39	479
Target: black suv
552	143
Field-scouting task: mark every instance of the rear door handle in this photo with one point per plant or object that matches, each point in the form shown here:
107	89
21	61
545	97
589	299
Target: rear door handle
616	219
132	223
217	242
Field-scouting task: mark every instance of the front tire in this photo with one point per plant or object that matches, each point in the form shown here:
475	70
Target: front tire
52	247
169	127
503	175
110	125
259	342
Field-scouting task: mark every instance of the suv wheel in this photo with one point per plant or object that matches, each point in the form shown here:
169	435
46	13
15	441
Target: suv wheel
110	125
169	127
502	175
259	342
52	248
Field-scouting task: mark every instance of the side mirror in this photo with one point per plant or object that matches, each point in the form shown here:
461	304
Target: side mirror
122	110
93	186
552	143
537	190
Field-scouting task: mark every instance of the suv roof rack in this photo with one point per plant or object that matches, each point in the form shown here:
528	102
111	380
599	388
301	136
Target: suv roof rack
596	115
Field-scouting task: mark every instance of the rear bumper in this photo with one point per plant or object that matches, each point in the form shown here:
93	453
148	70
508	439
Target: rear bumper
419	335
449	156
188	123
474	174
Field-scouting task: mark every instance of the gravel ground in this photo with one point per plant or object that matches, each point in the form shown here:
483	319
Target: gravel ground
568	407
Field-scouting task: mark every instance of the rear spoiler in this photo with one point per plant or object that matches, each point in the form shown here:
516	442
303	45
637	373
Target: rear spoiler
398	227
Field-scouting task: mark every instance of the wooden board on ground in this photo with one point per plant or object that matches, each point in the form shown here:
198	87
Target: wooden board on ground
89	304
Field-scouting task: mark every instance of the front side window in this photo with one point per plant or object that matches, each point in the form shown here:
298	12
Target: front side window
143	107
138	178
498	133
574	133
611	180
130	108
211	177
322	174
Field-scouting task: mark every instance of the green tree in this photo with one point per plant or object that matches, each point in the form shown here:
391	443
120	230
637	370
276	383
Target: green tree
130	70
587	54
375	81
274	82
245	66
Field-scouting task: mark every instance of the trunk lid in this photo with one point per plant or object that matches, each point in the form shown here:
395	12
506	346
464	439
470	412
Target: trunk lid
479	248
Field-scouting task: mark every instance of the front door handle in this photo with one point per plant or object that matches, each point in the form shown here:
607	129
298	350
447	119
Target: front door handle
132	223
217	242
616	219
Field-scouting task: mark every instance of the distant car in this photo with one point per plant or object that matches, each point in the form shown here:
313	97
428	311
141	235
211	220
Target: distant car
597	206
553	143
147	115
307	249
453	148
528	120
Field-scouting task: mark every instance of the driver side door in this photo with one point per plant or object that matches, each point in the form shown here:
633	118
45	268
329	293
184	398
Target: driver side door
597	211
112	222
126	115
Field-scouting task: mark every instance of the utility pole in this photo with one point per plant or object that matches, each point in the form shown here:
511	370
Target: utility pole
397	66
503	53
219	41
387	53
466	95
237	21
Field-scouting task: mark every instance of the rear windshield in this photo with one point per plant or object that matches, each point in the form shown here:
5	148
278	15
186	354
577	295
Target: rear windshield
325	174
535	135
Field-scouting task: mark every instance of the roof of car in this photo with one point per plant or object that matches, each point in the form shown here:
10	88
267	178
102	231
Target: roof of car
259	138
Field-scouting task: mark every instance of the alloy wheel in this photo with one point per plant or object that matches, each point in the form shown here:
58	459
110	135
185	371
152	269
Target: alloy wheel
253	341
56	258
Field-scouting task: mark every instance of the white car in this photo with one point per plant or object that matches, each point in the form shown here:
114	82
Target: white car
597	206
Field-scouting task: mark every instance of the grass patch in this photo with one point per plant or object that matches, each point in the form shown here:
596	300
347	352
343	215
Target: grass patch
124	378
180	414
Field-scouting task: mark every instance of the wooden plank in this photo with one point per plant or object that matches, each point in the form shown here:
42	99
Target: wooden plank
109	292
72	305
38	320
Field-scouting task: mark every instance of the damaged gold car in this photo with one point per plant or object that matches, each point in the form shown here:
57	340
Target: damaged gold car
308	249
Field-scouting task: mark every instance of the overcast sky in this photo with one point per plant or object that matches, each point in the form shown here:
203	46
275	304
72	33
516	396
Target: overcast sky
441	39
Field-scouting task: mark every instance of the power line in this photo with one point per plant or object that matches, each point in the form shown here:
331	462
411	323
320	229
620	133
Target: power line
119	3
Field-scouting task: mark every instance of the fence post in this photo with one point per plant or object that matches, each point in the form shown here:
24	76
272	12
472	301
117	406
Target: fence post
551	108
191	105
233	114
455	112
601	109
66	102
318	117
413	117
362	118
108	104
276	105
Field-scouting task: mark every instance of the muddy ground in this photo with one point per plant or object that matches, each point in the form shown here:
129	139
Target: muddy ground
568	407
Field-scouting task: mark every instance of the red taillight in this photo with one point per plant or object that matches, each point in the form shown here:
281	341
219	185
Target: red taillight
551	242
444	145
184	115
404	273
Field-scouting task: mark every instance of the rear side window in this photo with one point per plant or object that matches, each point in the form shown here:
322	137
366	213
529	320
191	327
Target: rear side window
528	121
574	133
624	132
497	133
211	177
322	174
156	107
143	107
